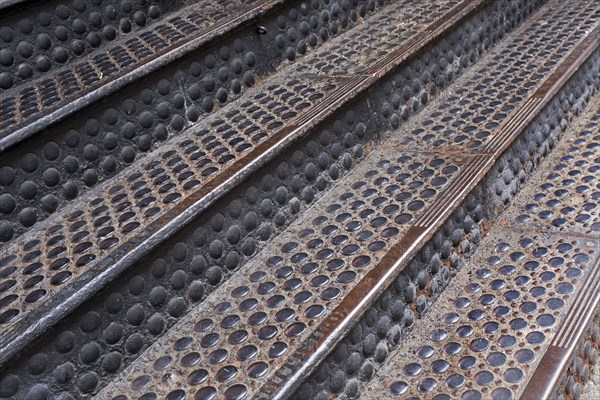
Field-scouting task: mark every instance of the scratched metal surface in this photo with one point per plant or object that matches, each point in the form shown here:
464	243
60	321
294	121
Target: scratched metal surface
120	322
223	386
490	328
41	75
137	114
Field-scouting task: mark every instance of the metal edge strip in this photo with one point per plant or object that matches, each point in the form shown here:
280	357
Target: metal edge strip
568	331
557	357
469	176
365	293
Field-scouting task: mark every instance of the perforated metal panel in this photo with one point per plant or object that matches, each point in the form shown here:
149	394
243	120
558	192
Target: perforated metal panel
128	57
489	329
513	317
136	312
242	350
48	172
401	25
153	191
566	197
469	116
246	330
287	312
216	168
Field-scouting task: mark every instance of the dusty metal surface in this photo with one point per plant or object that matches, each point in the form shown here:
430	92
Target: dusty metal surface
31	106
160	191
203	167
320	312
386	36
576	158
382	275
430	206
567	199
249	326
513	318
481	105
39	37
346	371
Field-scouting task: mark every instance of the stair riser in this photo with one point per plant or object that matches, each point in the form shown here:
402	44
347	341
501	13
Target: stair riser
582	364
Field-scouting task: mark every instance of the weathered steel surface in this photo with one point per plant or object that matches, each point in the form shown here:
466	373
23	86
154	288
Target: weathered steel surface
146	204
283	311
513	319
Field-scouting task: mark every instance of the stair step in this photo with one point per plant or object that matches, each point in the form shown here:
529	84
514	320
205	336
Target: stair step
514	317
268	326
366	347
185	264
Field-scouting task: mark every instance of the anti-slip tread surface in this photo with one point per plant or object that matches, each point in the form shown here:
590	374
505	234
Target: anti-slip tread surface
103	336
60	88
521	305
254	325
566	198
42	175
261	332
169	186
499	314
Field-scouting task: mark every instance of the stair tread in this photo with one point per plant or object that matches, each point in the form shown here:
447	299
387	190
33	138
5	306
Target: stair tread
340	278
512	317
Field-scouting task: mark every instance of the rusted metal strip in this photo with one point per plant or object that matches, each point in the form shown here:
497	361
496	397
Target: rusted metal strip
375	281
302	363
556	359
455	192
337	266
28	125
585	303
